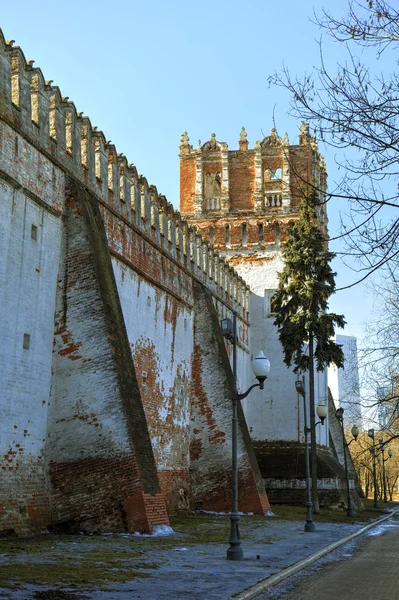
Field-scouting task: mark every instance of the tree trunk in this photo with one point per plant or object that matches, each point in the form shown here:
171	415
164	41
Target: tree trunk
313	455
367	484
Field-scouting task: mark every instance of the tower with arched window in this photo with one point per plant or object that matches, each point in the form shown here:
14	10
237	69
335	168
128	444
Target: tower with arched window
242	201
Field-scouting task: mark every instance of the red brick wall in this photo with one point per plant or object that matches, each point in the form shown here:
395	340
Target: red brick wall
300	171
187	185
241	180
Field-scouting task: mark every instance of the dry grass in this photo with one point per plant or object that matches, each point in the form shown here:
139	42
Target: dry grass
329	515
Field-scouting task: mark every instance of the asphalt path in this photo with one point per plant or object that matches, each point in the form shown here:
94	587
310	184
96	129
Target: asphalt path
364	569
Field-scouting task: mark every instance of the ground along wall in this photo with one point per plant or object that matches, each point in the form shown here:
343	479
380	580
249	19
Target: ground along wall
98	322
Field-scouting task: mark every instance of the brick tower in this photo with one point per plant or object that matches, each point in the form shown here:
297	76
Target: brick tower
243	201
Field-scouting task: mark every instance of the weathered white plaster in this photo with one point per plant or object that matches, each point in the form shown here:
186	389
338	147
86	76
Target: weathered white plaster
166	340
28	275
276	413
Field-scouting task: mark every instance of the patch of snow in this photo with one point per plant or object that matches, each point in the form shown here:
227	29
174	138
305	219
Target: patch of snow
212	512
159	530
162	530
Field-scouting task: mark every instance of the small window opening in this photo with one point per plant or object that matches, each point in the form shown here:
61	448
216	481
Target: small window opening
277	233
227	235
244	234
260	232
33	232
275	174
26	342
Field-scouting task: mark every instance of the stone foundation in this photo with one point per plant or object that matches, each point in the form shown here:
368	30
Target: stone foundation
282	465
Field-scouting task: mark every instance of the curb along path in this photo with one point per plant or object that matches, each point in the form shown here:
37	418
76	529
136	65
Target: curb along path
264	584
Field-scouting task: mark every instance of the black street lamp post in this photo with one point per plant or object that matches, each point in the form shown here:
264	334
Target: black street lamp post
384	460
372	450
321	410
261	367
339	413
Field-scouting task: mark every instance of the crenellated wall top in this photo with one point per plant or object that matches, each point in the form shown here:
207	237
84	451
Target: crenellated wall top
37	110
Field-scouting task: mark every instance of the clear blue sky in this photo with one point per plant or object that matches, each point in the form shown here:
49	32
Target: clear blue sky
146	71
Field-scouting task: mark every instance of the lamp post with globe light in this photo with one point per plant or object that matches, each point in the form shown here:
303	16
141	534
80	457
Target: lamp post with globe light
339	413
321	411
260	367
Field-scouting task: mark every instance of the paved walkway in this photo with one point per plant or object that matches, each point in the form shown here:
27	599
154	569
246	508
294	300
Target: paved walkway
371	573
147	569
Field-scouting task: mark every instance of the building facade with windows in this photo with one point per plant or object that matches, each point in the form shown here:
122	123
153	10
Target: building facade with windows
344	383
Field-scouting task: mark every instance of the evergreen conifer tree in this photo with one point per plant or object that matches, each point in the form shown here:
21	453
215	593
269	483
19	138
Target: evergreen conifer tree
301	302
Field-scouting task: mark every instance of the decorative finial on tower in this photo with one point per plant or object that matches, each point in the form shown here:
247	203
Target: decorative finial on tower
286	140
258	145
243	143
212	142
199	145
184	139
304	135
185	147
271	140
304	128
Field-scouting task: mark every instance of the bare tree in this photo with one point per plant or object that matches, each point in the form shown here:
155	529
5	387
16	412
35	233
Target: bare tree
379	358
356	111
